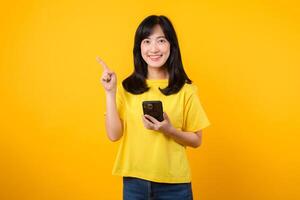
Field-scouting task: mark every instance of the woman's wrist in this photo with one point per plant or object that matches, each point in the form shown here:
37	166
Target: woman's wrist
110	94
170	131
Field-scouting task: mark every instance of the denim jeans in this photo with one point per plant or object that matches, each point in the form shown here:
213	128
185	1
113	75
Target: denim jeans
140	189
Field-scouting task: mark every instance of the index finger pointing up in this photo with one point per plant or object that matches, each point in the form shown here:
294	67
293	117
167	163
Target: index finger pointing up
102	63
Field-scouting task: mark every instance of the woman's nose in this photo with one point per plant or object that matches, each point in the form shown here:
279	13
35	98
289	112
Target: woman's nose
154	47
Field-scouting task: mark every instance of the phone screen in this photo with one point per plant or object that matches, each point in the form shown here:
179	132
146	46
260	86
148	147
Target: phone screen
154	109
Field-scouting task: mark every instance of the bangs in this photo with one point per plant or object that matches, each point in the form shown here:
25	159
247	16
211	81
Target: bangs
148	26
147	30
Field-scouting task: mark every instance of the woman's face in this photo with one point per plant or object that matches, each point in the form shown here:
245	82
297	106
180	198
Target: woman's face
155	49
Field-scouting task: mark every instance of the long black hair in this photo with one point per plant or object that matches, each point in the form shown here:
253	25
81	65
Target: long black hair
136	82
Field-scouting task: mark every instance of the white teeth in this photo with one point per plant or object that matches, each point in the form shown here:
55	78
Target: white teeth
155	56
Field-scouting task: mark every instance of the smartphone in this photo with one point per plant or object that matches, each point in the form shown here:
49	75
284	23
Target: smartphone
154	109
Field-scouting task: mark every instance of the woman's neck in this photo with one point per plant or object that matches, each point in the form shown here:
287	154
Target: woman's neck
157	73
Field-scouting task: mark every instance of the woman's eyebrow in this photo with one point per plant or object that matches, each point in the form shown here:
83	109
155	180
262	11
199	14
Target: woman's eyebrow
161	36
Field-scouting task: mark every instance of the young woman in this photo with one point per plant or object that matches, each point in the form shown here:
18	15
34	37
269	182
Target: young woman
151	156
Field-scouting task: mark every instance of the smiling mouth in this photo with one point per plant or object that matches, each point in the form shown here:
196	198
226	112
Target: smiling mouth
155	57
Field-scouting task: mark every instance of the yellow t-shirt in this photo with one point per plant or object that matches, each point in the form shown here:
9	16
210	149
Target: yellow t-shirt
151	155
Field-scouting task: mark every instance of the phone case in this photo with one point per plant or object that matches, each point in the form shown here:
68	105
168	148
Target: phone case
154	109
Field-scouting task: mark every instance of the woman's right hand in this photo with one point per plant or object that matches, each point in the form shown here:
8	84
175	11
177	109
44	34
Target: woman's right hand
108	78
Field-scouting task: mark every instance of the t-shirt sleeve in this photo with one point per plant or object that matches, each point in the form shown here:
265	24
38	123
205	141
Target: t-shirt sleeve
195	117
120	102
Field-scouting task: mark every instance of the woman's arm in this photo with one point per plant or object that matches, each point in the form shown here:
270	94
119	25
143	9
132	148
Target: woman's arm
113	124
184	138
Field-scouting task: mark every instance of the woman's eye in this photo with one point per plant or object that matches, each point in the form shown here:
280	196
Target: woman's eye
146	41
162	41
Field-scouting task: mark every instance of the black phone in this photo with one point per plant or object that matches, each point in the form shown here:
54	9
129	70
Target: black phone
154	109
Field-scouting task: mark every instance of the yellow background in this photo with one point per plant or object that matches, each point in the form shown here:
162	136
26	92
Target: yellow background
243	55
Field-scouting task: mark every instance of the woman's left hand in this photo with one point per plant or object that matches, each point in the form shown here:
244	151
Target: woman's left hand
153	124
